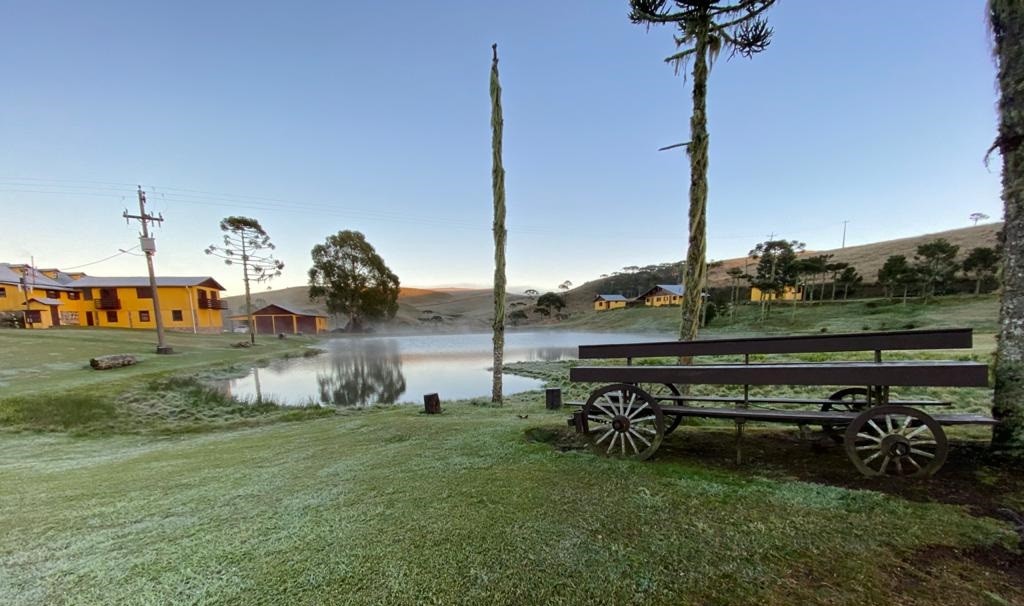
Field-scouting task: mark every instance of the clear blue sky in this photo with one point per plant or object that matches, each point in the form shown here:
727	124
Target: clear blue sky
321	116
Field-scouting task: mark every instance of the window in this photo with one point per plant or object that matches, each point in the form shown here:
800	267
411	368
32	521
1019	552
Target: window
176	315
34	317
112	316
144	316
3	292
144	292
87	294
53	294
74	295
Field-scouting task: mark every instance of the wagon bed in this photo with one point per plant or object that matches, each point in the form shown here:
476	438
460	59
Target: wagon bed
639	405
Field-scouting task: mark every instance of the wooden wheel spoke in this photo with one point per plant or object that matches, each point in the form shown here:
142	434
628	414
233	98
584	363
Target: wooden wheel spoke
639	437
922	453
627	421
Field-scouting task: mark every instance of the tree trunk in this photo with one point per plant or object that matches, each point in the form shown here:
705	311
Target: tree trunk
977	287
248	294
112	361
498	187
1007	20
696	267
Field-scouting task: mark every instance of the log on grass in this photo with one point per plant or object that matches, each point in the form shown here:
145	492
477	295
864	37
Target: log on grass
112	361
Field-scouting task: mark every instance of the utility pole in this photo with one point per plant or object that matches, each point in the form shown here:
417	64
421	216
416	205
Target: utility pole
844	233
148	245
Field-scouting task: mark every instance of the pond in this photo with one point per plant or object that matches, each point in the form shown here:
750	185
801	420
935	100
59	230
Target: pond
358	371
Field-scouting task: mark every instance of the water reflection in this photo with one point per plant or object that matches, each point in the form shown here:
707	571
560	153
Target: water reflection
360	371
363	376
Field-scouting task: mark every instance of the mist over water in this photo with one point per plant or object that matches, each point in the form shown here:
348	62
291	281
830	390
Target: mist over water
360	371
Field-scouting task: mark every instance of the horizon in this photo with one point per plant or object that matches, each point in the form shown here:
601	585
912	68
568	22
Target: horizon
311	122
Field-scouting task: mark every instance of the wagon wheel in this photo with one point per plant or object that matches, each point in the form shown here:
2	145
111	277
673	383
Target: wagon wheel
896	440
664	389
626	420
850	399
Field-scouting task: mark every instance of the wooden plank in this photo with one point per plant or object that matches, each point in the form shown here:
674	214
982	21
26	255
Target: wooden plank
909	373
785	400
955	338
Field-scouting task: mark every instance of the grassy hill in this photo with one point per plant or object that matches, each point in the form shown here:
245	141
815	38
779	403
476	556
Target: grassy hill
866	258
446	308
471	309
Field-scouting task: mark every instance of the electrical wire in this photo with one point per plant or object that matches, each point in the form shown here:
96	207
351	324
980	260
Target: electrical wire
117	254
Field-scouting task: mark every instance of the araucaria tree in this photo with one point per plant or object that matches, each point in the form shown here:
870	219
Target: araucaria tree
353	280
498	192
936	266
981	264
1007	20
705	28
247	243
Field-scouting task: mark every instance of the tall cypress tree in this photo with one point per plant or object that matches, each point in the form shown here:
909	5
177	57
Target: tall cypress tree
498	187
1007	20
705	28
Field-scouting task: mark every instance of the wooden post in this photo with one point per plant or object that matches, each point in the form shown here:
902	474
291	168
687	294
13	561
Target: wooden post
739	441
432	404
553	398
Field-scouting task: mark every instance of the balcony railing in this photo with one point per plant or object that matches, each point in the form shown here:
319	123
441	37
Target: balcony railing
212	304
108	303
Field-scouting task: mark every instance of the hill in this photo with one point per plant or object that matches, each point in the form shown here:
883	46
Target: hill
866	258
471	309
448	308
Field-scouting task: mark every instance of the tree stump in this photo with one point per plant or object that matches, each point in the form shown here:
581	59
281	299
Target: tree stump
112	361
432	404
553	398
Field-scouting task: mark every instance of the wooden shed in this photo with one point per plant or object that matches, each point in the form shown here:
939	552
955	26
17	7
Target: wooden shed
274	319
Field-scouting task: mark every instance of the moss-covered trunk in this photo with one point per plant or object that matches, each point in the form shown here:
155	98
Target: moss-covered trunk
498	187
1007	19
696	265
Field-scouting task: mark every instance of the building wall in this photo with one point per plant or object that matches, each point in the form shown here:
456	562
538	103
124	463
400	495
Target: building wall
662	299
605	305
272	324
179	309
12	299
788	294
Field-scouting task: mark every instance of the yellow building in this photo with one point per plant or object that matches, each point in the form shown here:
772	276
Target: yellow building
186	303
788	294
606	302
46	298
663	294
37	300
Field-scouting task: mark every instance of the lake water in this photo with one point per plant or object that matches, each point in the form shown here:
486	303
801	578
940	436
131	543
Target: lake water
358	371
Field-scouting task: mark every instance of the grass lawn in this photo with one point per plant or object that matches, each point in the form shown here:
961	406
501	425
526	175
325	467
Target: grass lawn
114	490
46	382
389	506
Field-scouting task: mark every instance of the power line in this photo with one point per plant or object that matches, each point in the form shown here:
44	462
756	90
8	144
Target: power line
117	254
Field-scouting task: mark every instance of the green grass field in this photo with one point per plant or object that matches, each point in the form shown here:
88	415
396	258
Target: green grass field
46	382
145	486
393	507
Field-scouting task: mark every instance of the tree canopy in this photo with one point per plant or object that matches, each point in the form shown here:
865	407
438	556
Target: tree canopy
353	280
246	242
936	266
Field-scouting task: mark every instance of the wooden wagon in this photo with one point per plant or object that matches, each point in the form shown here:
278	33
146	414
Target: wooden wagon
638	405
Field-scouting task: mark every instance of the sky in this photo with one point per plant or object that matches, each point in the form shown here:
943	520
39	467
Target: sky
316	117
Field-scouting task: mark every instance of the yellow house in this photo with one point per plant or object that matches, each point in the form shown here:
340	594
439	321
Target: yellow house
663	294
606	302
788	294
186	303
36	299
